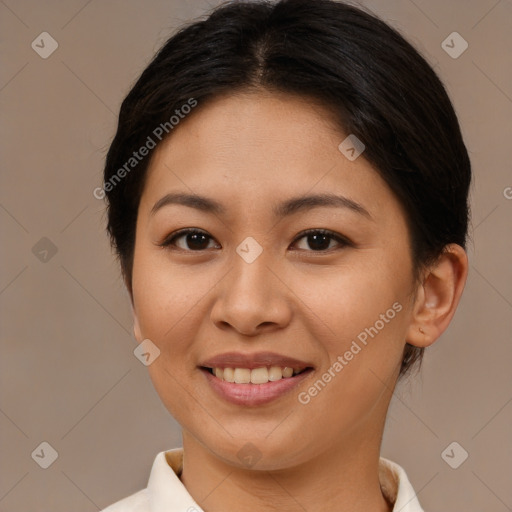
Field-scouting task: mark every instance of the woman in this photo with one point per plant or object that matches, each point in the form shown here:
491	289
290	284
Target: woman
290	224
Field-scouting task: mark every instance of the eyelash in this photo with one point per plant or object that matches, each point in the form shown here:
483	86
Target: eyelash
171	239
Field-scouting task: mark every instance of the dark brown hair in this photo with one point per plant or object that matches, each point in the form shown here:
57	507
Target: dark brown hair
375	83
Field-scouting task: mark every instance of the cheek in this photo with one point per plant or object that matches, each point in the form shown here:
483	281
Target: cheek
346	300
172	303
360	320
163	297
167	301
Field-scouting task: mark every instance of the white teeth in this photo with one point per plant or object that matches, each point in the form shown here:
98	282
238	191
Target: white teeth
275	373
242	376
287	372
255	376
259	375
228	374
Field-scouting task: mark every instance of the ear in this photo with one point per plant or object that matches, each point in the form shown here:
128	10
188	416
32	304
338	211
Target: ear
438	296
127	285
136	327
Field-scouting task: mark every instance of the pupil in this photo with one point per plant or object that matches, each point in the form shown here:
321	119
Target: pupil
194	241
318	241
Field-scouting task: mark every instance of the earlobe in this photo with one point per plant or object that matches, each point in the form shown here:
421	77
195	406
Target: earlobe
438	296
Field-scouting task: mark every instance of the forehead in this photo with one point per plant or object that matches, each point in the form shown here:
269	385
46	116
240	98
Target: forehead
259	146
250	120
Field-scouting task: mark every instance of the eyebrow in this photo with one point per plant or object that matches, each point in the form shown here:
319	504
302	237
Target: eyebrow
284	209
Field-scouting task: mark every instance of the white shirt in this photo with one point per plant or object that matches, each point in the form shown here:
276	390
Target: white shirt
166	493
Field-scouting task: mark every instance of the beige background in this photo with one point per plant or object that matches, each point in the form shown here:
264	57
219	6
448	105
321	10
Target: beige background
68	373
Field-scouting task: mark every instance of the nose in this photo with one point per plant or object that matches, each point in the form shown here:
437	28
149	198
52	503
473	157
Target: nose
252	298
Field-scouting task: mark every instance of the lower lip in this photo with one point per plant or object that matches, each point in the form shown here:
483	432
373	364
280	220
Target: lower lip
254	394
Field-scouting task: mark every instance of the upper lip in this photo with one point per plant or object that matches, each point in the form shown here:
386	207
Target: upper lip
257	360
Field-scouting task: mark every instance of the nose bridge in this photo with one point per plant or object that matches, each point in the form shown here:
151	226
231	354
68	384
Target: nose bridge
251	274
251	295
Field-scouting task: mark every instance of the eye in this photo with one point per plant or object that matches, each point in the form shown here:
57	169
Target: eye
192	240
195	240
319	240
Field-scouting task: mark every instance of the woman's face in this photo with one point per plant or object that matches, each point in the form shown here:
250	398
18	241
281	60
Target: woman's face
253	282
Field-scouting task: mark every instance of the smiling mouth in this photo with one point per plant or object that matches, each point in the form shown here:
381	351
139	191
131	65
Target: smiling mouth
260	375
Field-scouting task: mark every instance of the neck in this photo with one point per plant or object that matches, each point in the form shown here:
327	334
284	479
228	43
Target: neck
339	479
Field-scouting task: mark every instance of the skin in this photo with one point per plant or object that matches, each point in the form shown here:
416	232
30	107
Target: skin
250	151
